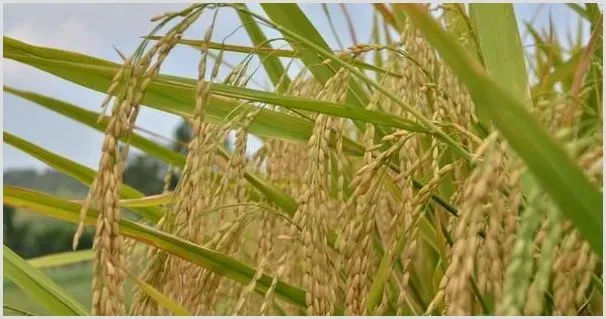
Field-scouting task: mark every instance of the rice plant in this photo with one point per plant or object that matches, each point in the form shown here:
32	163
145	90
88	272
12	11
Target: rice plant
432	171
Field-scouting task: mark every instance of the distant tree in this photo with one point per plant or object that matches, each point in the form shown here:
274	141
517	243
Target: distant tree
15	236
29	242
183	135
11	236
145	174
9	224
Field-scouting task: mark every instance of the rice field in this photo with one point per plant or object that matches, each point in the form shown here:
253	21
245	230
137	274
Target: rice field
74	279
435	170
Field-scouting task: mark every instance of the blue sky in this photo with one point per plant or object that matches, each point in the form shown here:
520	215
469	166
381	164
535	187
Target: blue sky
94	28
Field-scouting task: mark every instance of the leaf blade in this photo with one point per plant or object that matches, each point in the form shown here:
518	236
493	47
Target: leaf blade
78	171
214	261
558	174
39	287
62	259
272	64
160	298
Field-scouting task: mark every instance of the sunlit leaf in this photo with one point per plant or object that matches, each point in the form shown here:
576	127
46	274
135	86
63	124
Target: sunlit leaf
39	287
544	157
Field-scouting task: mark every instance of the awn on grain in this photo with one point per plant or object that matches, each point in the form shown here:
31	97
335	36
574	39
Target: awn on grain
396	250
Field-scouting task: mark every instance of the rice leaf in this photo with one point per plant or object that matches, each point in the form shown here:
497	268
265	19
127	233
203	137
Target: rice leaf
267	52
175	95
561	74
388	16
161	299
545	158
214	261
62	259
593	12
428	125
291	17
579	9
501	47
153	200
39	287
18	311
590	12
79	172
375	293
459	24
89	118
503	56
272	64
96	74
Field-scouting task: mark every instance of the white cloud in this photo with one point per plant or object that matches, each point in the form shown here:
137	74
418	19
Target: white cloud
72	35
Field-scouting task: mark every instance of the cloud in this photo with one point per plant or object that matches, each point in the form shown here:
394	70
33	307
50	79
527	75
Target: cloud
71	34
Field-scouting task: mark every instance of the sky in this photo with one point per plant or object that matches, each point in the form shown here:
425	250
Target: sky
95	29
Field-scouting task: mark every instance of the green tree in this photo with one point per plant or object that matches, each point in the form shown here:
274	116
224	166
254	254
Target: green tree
145	173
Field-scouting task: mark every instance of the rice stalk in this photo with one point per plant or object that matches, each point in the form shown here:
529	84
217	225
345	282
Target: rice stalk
445	218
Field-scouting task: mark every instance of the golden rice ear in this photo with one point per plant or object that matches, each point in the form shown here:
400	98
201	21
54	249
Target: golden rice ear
405	204
313	205
108	277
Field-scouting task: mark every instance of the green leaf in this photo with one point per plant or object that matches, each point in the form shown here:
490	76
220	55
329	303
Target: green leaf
176	95
593	113
96	74
376	38
89	118
39	287
62	259
375	294
578	9
266	53
78	171
291	17
281	199
399	17
593	13
212	260
545	46
272	64
503	56
18	311
547	161
86	175
153	200
161	299
74	257
501	47
428	125
459	24
561	73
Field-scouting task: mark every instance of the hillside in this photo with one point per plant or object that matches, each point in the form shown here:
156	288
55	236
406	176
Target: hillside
48	181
